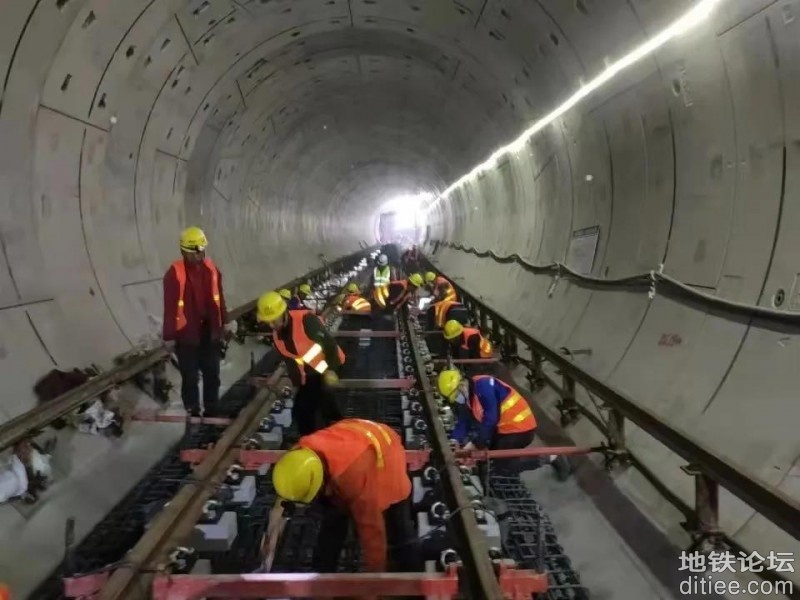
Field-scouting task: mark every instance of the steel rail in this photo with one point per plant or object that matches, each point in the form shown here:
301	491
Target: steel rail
765	499
177	519
34	420
479	570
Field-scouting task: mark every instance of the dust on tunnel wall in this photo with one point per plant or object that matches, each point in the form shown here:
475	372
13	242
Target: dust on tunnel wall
690	159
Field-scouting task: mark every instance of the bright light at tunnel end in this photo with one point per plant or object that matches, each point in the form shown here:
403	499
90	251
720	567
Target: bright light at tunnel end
408	208
693	17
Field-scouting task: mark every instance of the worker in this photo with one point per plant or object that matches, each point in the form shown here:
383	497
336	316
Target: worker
410	259
312	358
403	290
439	313
354	301
285	293
492	414
194	321
382	276
358	468
466	342
298	301
440	287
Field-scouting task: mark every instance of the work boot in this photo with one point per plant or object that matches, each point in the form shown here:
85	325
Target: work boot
562	467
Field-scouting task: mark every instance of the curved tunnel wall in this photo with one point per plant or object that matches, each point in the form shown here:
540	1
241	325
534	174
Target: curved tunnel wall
689	160
280	125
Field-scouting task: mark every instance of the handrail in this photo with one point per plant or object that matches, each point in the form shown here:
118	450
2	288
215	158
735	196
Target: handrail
765	499
30	422
644	281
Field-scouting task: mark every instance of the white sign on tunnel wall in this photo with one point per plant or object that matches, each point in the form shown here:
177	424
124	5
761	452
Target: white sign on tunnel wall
582	248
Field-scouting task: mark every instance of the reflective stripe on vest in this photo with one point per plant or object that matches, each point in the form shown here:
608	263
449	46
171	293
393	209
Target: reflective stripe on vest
357	303
309	352
180	274
382	276
485	346
515	414
450	294
440	311
365	427
381	295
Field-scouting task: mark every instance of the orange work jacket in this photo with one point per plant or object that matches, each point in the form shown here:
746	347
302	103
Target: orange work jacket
309	353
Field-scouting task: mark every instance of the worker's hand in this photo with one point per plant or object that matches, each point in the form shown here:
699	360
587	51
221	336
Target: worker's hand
330	379
468	447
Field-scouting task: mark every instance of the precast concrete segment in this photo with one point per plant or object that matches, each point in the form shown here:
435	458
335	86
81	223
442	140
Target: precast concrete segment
281	125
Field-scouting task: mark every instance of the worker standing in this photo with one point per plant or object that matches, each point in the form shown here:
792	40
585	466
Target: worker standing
382	276
441	288
354	301
298	301
358	467
493	415
466	342
194	317
312	358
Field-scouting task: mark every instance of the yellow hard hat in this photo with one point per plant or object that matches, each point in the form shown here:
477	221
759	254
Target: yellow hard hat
353	288
448	383
193	240
453	329
339	299
285	294
271	307
304	289
416	280
298	475
430	277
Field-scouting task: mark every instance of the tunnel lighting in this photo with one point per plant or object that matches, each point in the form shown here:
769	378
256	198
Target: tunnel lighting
696	15
408	209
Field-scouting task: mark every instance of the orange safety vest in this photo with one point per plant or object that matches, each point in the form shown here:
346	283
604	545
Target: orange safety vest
309	352
357	303
515	414
343	442
451	295
485	345
440	311
180	275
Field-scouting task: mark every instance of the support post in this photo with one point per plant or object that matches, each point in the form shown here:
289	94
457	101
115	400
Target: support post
483	319
568	405
705	530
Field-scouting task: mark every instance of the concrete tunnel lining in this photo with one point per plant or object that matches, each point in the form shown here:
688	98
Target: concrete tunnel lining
217	108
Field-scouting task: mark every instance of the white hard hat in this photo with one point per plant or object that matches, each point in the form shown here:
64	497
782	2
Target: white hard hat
383	260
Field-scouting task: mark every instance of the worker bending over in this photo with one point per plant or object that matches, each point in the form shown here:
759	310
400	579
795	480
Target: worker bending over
358	468
439	313
298	301
440	287
194	318
492	414
312	358
354	301
403	290
382	276
466	342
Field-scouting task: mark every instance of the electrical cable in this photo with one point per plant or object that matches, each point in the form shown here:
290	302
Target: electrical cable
647	280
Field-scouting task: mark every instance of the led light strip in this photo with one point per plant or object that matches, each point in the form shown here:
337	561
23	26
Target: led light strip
699	13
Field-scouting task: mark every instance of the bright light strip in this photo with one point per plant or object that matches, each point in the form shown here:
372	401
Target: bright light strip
690	19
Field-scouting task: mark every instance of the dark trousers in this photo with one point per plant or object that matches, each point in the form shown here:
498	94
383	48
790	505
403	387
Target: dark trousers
401	538
203	357
314	406
512	466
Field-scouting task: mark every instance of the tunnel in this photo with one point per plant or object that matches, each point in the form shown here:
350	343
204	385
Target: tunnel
614	139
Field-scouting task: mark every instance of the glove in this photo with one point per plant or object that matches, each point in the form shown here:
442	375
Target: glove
330	378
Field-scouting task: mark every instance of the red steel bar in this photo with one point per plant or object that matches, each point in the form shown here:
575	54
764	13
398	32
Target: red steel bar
519	584
153	416
416	459
304	585
84	586
467	361
364	333
359	384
